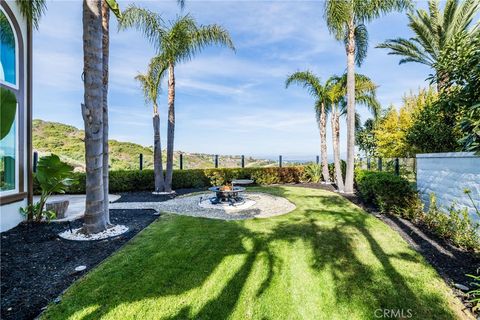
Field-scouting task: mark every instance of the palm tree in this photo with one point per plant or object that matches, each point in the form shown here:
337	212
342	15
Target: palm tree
346	21
150	83
336	91
178	42
92	112
433	31
312	83
32	10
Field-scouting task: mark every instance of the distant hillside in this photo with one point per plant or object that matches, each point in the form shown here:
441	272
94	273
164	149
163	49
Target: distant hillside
67	142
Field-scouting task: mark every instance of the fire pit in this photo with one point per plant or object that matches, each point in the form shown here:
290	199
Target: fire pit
227	194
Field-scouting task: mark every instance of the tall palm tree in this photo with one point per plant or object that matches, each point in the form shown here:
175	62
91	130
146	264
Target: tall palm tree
107	5
175	43
336	91
312	83
346	21
150	83
92	111
433	30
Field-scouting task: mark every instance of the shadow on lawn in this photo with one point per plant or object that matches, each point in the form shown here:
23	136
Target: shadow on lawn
334	249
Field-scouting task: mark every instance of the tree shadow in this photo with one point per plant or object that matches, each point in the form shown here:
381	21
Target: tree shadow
178	266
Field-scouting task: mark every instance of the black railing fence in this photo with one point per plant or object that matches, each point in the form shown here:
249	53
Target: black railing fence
405	167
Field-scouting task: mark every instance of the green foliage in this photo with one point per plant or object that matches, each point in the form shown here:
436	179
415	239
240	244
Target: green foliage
474	294
433	31
53	176
32	10
343	168
433	130
313	173
390	193
136	180
470	126
365	138
8	109
394	194
460	64
454	224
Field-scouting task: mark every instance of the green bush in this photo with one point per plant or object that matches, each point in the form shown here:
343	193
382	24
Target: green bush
136	180
454	224
388	192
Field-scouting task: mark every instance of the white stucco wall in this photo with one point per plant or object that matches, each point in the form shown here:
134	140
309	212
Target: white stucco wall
10	215
447	175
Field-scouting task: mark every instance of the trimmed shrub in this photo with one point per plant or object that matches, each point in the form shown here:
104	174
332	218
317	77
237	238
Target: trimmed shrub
388	192
136	180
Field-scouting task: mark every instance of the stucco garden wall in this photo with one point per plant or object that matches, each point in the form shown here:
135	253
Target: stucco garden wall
447	175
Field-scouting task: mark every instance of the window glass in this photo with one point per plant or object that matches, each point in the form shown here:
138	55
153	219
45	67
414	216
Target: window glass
7	51
7	160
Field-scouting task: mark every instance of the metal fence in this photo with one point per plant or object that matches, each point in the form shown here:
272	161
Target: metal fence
405	167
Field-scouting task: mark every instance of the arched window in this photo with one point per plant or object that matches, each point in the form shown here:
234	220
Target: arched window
8	63
9	152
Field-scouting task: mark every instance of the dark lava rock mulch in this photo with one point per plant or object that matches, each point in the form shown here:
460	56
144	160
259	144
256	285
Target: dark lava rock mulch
148	196
37	266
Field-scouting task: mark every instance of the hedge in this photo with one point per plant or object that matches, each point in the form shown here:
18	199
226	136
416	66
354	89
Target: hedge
136	180
388	192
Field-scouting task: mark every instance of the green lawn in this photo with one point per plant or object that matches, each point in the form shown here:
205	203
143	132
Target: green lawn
328	259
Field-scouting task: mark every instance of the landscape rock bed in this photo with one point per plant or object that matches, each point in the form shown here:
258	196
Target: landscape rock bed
265	206
37	266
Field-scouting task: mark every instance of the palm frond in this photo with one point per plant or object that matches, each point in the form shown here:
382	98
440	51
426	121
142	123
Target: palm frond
361	43
308	80
32	10
148	22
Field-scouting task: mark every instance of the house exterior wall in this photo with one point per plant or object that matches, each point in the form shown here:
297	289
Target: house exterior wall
447	175
11	202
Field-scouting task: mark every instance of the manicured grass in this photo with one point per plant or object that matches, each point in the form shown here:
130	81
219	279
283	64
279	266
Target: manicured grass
326	260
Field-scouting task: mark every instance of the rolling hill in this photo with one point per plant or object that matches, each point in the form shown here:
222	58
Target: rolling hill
67	142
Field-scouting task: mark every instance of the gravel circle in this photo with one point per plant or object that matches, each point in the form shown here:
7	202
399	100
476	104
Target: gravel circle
77	235
265	206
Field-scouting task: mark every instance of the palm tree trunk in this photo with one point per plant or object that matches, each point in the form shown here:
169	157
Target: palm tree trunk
350	108
157	153
323	142
171	127
92	112
336	149
106	53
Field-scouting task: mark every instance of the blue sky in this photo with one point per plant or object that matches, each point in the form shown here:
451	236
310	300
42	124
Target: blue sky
226	103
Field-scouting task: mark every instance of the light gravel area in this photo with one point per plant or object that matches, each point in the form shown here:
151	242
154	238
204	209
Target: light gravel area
265	206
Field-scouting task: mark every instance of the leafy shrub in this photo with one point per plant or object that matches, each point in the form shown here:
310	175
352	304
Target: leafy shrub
454	224
331	169
136	180
474	294
313	173
53	176
388	192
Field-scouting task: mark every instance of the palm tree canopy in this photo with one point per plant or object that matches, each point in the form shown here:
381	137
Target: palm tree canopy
342	15
32	10
308	80
150	82
177	41
433	30
365	94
